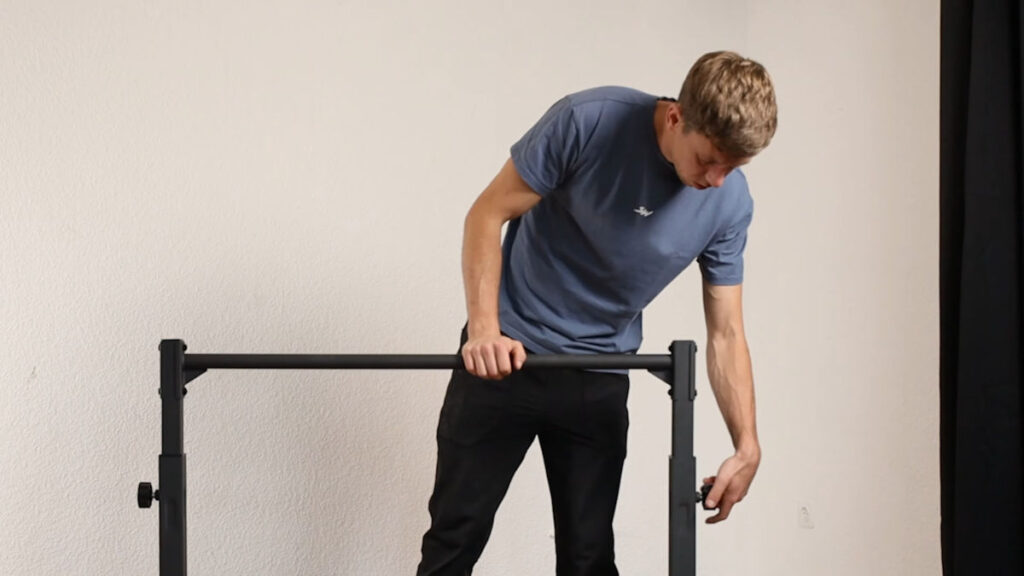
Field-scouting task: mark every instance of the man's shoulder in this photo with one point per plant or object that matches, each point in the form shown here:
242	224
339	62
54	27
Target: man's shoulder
607	109
736	183
734	198
610	94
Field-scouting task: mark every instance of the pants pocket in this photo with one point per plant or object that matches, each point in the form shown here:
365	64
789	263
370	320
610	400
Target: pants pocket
474	409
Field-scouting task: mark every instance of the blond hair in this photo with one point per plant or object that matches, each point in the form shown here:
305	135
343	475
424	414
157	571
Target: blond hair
730	99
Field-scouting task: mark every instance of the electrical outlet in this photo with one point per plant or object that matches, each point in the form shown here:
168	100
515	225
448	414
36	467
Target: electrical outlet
804	519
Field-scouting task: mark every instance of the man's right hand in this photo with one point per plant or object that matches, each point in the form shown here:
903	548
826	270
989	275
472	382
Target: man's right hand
492	357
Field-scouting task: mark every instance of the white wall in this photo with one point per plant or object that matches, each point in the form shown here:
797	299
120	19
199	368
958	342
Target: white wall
292	177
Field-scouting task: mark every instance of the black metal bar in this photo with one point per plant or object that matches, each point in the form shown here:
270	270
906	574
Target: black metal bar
682	516
172	461
416	361
178	368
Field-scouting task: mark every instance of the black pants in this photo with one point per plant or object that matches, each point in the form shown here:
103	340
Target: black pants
484	432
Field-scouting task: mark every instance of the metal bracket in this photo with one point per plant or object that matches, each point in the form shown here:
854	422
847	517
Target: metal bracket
191	375
665	376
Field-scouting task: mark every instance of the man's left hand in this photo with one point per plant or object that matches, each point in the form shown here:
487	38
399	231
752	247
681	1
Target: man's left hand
731	484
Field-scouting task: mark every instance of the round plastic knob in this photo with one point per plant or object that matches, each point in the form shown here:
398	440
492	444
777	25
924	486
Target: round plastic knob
702	496
147	494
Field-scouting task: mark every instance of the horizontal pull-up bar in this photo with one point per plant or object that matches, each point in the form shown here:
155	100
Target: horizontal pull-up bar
416	361
177	369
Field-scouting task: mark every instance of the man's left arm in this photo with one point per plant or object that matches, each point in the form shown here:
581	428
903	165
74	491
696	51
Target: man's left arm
733	384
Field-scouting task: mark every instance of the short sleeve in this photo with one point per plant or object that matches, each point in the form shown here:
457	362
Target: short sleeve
721	263
544	157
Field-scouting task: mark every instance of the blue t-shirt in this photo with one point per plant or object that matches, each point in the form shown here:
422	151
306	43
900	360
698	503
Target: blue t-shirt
614	227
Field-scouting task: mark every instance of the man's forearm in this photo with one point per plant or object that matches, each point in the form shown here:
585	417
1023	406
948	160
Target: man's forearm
732	381
481	272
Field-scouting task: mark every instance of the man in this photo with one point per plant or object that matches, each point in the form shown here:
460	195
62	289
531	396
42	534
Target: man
607	199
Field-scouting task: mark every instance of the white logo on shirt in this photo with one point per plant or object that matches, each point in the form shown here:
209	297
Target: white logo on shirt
643	211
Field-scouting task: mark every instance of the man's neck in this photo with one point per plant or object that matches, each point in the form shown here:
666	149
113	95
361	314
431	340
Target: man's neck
660	108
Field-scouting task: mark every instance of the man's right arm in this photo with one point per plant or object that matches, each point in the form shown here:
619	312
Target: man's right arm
487	353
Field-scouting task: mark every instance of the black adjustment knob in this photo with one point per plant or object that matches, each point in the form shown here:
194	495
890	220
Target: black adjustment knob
702	496
147	494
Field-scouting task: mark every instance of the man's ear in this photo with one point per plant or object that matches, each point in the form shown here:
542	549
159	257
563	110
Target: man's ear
675	114
678	122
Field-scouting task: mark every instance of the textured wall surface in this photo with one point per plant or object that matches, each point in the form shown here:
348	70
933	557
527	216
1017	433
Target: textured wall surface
292	177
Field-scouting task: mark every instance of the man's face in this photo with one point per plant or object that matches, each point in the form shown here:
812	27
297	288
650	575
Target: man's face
698	162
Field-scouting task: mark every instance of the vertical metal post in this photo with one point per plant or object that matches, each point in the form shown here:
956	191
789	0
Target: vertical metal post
172	459
682	516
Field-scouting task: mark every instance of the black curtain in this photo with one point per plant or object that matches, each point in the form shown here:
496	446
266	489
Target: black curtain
982	439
